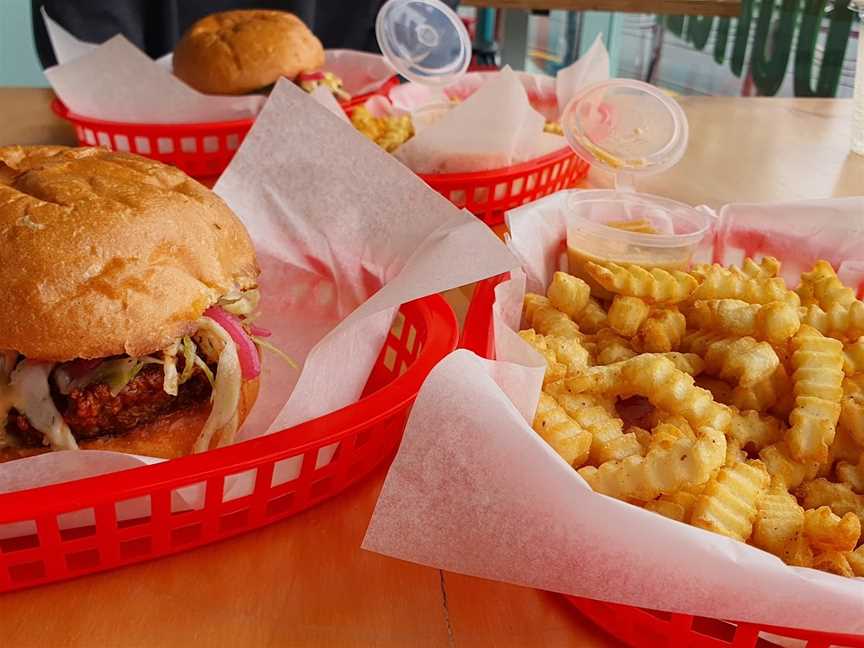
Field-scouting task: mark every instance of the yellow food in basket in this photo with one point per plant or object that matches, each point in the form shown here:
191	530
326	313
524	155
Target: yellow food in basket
392	131
750	398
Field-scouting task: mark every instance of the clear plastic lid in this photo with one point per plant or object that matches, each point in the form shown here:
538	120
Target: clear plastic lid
424	40
628	127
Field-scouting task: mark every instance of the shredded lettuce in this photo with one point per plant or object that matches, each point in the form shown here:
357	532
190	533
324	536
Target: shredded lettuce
264	344
223	419
119	372
205	370
189	360
241	304
170	379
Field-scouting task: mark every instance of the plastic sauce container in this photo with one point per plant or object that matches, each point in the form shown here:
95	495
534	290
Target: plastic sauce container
629	128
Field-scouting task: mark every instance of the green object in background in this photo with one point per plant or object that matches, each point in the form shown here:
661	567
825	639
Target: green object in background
721	39
770	58
675	24
698	30
742	35
839	29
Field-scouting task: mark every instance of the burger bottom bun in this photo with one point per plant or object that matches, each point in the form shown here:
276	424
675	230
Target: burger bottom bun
168	437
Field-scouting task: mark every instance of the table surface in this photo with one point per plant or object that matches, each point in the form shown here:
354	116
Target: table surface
670	7
305	581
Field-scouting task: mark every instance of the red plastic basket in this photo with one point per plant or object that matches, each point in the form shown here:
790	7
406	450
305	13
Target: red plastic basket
488	194
631	625
367	433
202	150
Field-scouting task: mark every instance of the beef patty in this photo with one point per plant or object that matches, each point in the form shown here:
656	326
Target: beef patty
92	411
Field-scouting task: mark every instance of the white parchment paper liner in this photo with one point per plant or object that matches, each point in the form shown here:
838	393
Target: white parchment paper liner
475	490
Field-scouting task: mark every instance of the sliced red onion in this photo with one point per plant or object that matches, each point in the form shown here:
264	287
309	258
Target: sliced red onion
247	352
258	331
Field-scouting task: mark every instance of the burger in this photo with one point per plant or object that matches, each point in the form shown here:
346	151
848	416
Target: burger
247	51
128	290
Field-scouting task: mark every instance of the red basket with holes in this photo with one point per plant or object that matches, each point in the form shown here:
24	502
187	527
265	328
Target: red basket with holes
488	194
131	516
202	150
631	625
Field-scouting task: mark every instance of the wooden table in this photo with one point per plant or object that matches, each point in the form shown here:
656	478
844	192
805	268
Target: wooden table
304	581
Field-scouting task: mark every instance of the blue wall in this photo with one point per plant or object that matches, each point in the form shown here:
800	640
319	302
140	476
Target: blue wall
19	64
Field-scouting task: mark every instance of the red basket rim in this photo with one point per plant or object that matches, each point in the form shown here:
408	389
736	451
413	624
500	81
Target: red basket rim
588	607
497	174
318	432
62	110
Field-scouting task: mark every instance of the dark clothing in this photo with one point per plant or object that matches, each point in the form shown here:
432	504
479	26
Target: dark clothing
156	25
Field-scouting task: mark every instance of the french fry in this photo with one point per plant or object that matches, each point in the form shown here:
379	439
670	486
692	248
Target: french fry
548	320
826	531
626	315
561	432
833	562
853	357
611	347
662	331
779	462
667	508
843	448
779	520
743	361
852	410
838	497
608	442
606	379
773	393
755	431
728	503
642	435
722	283
569	352
822	287
774	322
818	379
665	469
568	294
554	370
654	286
666	433
670	389
592	318
851	474
768	267
856	561
837	321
